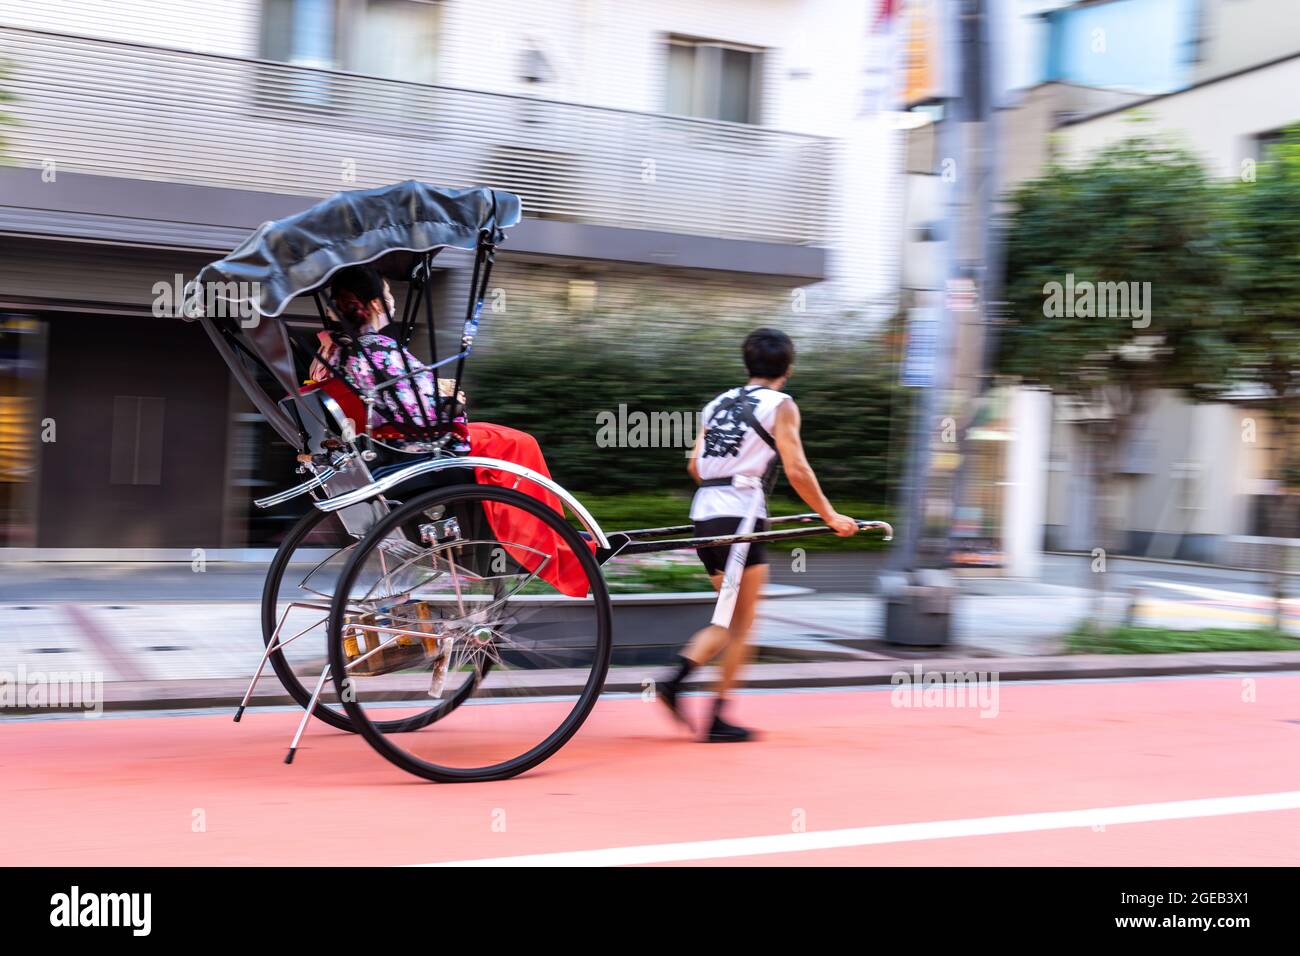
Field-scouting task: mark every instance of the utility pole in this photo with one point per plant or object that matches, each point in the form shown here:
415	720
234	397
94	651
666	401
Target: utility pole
983	258
919	592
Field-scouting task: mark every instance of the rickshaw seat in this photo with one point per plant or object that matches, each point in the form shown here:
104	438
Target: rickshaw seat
506	444
348	400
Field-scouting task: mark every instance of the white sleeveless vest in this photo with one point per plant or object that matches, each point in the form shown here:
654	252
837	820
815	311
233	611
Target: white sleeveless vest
731	447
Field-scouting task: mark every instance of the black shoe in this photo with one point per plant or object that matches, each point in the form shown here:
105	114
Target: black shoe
668	692
724	733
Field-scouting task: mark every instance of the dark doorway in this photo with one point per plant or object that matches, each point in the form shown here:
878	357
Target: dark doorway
140	410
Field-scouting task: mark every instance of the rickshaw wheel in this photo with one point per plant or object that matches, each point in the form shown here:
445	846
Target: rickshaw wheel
543	644
289	678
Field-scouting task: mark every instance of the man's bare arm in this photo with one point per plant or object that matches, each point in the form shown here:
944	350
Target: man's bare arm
695	454
789	445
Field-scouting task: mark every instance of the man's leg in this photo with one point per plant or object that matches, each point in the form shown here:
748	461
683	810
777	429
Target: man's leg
737	651
742	620
703	646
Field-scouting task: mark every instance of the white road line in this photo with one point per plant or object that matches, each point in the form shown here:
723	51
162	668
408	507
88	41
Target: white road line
900	833
1236	597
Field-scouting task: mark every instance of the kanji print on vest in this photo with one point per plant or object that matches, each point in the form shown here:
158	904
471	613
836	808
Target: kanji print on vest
729	425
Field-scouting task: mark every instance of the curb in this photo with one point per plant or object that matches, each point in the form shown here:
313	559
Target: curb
198	694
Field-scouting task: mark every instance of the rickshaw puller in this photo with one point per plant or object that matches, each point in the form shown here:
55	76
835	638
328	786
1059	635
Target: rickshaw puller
745	430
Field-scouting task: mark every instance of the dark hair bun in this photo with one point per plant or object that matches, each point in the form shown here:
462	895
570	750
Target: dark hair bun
362	281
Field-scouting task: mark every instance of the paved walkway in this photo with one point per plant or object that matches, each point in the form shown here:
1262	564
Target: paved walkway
221	641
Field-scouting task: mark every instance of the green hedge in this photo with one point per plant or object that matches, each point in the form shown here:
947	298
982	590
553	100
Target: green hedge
552	376
1162	640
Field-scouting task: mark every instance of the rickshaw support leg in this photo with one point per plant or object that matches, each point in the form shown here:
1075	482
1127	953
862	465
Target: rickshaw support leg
248	694
274	645
306	716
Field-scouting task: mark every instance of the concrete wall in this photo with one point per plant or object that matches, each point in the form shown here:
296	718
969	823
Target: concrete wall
228	27
1217	121
1237	34
1184	484
1025	487
1029	130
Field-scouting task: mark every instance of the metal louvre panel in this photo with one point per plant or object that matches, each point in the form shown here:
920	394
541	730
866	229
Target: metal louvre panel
36	271
121	109
213	26
625	296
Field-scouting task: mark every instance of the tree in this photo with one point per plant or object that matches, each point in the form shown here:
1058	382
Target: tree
1262	232
1115	281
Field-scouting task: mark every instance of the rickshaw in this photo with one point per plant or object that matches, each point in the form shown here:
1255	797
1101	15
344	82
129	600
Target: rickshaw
466	624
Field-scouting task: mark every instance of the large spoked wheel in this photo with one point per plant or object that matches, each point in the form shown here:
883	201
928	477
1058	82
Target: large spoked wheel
295	610
476	609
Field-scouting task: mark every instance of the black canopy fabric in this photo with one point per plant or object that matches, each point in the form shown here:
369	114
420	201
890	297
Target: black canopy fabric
287	258
298	254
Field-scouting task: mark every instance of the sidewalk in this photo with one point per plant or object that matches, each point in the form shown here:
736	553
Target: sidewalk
163	636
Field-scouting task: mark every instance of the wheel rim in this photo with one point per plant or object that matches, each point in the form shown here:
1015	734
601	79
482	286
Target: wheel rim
296	610
480	604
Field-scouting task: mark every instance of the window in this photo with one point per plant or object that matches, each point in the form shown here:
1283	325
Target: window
582	295
713	80
1264	145
299	32
393	39
22	430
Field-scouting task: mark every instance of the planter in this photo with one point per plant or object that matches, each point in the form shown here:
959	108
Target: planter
651	628
648	628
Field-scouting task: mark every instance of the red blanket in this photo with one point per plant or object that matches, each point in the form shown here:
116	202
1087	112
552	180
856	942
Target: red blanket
511	525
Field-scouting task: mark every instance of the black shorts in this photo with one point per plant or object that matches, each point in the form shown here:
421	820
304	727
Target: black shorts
715	559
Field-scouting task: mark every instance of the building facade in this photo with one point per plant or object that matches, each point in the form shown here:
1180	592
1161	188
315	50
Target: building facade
712	157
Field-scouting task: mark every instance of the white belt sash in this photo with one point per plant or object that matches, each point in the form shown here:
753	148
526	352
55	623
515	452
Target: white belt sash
735	569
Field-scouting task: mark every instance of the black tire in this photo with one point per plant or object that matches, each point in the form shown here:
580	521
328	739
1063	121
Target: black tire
373	731
288	678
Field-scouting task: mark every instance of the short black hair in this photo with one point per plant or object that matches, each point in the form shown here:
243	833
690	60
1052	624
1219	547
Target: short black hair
769	353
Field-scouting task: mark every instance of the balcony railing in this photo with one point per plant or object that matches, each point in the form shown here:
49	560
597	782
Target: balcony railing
143	112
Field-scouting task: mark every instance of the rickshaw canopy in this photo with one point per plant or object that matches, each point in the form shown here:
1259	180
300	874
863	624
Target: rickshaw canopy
297	255
392	227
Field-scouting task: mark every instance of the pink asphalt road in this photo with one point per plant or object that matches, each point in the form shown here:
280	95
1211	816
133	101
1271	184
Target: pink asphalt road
1211	765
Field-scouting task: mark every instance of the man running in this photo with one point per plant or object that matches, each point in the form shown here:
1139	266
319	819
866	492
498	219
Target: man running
743	432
